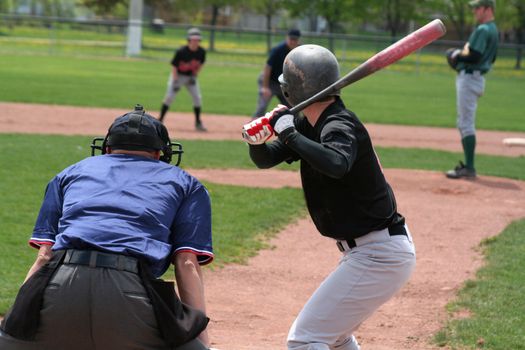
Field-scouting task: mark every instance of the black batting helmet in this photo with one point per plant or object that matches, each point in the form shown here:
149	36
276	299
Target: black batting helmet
139	131
307	70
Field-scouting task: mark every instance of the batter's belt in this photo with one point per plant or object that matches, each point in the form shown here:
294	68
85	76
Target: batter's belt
347	244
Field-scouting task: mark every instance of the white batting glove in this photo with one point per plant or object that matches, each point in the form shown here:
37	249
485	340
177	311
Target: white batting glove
257	131
283	123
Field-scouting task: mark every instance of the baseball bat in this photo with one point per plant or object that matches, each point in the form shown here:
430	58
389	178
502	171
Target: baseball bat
405	46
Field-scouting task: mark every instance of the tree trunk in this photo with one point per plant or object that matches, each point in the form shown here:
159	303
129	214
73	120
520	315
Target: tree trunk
32	9
331	45
519	50
268	32
214	16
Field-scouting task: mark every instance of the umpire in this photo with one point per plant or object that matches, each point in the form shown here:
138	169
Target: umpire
472	63
347	197
108	228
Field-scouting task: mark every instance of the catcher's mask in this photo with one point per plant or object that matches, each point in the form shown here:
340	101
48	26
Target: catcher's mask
138	131
307	70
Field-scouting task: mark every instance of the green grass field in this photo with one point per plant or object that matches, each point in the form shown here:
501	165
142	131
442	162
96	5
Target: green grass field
494	300
417	91
391	96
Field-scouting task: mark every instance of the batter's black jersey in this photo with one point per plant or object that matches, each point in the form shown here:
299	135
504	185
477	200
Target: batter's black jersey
345	189
188	62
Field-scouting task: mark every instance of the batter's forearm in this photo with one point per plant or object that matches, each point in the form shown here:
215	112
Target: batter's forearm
321	158
267	155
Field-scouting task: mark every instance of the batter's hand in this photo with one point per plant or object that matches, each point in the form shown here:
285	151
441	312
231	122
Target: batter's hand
284	123
257	131
281	111
192	81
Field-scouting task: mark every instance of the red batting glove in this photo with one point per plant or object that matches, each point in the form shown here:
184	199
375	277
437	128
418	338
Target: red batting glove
257	131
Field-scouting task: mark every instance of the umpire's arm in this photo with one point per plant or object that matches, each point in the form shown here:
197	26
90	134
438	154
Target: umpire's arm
190	285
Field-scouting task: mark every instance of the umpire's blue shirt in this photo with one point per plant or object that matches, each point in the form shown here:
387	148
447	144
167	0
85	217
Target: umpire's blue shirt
127	204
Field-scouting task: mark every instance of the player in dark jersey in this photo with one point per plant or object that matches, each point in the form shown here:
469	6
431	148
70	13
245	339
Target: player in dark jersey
268	80
187	63
347	197
108	228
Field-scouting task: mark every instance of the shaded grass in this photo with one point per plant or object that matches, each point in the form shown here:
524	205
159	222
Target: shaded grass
494	299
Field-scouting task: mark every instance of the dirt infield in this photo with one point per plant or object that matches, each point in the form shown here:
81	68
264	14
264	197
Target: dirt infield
45	119
251	306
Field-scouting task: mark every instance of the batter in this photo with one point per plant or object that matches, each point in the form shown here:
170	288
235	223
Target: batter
348	198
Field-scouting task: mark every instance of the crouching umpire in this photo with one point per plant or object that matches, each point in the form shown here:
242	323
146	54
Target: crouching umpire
109	227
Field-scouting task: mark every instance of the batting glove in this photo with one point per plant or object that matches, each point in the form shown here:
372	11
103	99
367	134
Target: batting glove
275	112
258	131
282	123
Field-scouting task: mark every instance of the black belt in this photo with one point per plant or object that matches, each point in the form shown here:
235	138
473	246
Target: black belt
398	230
472	71
95	258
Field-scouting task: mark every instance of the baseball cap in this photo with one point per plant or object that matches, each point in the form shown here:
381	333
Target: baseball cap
479	3
194	33
294	33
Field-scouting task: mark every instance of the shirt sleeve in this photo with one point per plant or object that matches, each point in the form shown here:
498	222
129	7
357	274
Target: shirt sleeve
336	153
479	40
270	154
176	59
46	226
272	58
192	226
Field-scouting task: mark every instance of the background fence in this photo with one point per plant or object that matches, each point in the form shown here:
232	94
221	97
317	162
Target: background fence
53	35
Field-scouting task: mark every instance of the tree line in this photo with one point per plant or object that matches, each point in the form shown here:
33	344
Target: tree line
341	16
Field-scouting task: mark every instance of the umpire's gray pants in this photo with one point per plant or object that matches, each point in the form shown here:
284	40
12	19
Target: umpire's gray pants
95	308
469	88
174	86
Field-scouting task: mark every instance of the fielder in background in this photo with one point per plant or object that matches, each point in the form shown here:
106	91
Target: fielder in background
187	63
268	80
472	63
108	228
348	198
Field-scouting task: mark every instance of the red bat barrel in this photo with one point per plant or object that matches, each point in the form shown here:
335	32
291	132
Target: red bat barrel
410	43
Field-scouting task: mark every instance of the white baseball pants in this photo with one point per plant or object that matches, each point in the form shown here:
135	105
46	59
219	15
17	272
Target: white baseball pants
174	86
367	276
469	88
